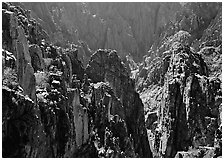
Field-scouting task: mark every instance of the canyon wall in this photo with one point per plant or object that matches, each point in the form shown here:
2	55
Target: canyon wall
179	82
125	27
53	107
72	88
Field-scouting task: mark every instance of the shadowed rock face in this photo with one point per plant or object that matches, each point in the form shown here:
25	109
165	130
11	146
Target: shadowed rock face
40	124
37	60
19	120
51	127
106	66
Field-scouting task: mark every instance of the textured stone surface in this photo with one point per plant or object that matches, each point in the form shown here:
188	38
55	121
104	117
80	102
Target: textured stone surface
20	50
70	120
37	60
80	120
105	65
8	59
20	125
64	97
203	152
188	109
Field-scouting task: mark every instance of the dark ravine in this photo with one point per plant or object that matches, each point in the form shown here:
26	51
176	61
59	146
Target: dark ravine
72	88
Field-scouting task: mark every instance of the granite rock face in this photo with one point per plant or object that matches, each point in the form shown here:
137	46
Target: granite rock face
183	78
37	60
106	66
187	104
49	127
38	116
17	43
54	125
109	133
64	97
64	114
8	59
19	127
185	108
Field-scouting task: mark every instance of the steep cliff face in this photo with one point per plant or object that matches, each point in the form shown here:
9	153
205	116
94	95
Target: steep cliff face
109	132
105	25
185	108
64	97
37	119
105	65
19	121
186	104
53	127
176	85
51	108
17	43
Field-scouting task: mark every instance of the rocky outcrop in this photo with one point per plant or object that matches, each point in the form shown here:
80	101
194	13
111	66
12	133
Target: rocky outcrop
36	125
109	131
37	60
105	65
44	129
186	114
74	118
21	130
77	67
18	44
191	18
213	58
210	46
196	17
203	152
80	120
155	66
61	101
202	33
8	59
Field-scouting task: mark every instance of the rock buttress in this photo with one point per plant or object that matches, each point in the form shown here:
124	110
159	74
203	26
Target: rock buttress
188	112
105	65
